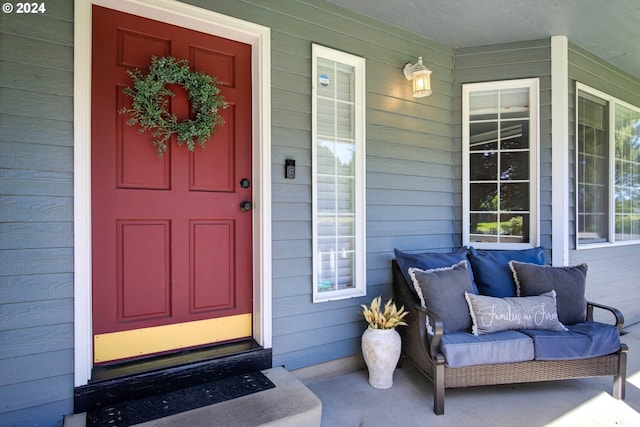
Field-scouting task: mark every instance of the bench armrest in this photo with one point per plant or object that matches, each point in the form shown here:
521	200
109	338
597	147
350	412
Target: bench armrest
617	314
433	344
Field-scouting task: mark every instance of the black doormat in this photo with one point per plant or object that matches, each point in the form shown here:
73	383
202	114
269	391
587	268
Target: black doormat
163	405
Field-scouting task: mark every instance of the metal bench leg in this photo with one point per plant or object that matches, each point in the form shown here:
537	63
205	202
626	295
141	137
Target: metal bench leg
620	379
438	389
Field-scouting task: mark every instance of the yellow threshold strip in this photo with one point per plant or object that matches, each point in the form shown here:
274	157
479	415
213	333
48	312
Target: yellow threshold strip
138	342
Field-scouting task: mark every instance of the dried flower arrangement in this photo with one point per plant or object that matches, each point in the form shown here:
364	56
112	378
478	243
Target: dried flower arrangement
388	318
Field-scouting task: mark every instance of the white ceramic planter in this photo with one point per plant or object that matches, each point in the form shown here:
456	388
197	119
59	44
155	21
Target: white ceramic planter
381	352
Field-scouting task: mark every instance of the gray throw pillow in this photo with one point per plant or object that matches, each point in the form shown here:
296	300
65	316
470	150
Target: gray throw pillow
441	290
492	314
568	282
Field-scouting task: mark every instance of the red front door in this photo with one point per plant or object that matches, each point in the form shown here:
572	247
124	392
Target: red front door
172	249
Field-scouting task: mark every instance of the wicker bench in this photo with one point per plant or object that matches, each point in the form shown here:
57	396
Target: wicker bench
423	350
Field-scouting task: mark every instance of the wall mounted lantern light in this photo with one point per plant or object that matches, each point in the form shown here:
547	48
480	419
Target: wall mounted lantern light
421	77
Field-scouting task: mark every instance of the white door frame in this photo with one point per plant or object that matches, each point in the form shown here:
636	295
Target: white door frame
195	18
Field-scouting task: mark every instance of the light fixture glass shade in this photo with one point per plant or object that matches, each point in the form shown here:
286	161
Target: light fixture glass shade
421	80
422	83
421	77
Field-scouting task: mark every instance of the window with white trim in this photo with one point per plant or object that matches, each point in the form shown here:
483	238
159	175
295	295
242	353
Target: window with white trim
500	143
608	169
338	175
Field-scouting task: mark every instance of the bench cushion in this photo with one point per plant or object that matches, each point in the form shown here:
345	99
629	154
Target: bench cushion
580	341
491	270
431	260
465	349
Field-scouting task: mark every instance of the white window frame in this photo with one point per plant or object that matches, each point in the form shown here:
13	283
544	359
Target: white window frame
359	287
534	162
611	102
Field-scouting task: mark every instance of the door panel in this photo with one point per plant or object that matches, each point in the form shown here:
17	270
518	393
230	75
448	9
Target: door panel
171	245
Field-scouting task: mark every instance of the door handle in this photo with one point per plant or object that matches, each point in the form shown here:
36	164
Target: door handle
245	183
245	206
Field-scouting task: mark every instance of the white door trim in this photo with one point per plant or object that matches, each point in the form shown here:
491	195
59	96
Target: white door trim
206	21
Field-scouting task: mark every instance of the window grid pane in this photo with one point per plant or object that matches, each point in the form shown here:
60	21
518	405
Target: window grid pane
499	158
627	178
592	171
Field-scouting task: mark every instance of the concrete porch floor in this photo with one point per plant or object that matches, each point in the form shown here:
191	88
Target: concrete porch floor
349	401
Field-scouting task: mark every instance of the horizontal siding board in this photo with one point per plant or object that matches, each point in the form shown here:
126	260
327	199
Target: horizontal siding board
386	228
37	366
50	414
43	135
290	230
291	286
291	211
290	192
417	124
46	27
35	183
36	235
489	59
382	244
35	393
35	287
591	70
31	341
35	261
35	209
504	72
408	212
301	304
380	180
301	340
492	49
291	267
34	314
319	320
381	197
411	168
291	249
317	354
36	79
613	277
36	104
25	50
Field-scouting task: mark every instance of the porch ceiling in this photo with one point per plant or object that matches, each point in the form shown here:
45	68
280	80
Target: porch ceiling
609	29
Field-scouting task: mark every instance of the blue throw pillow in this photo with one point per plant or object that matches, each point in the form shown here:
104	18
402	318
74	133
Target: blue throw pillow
429	261
491	270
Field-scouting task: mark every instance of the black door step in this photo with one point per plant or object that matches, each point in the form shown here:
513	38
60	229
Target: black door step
166	404
162	374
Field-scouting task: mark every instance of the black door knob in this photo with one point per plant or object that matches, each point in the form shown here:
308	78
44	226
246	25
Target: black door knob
245	206
245	183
